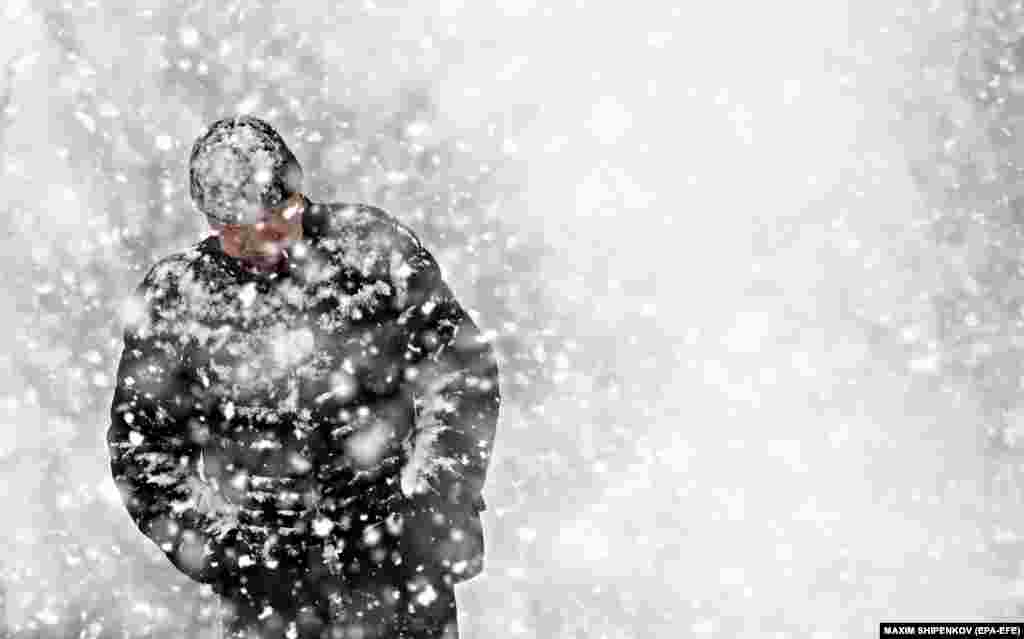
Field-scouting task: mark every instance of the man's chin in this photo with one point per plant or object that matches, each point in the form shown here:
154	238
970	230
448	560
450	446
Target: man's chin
262	261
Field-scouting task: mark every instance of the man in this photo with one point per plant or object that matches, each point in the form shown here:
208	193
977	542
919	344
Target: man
304	414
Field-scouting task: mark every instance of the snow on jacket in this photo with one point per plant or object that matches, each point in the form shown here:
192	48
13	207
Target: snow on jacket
346	401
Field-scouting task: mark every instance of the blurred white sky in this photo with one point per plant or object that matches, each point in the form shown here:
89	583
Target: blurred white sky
673	142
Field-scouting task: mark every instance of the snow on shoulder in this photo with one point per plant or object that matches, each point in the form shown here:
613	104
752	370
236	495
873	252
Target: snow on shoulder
372	241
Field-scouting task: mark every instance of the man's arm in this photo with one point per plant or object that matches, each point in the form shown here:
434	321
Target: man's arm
152	452
453	375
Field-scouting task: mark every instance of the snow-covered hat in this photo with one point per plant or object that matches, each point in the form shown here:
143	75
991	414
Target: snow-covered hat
240	166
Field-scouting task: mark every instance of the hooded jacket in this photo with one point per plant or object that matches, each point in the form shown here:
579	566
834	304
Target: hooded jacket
345	402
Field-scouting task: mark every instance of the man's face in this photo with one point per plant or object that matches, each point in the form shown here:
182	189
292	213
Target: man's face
260	243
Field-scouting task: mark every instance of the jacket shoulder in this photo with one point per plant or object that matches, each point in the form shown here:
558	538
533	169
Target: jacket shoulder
373	223
161	286
170	269
370	239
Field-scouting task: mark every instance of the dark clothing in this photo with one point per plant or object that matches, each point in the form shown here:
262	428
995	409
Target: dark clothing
386	601
345	405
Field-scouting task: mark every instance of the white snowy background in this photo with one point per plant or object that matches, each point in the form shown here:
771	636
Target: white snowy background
750	269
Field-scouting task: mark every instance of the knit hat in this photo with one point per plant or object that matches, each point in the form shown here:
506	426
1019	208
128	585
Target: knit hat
239	167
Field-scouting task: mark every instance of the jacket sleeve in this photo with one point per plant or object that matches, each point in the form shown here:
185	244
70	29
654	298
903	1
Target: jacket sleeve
152	452
453	375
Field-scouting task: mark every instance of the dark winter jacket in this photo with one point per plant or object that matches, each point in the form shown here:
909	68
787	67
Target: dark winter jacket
345	403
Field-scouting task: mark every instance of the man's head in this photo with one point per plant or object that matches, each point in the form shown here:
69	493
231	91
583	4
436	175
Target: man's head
246	181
